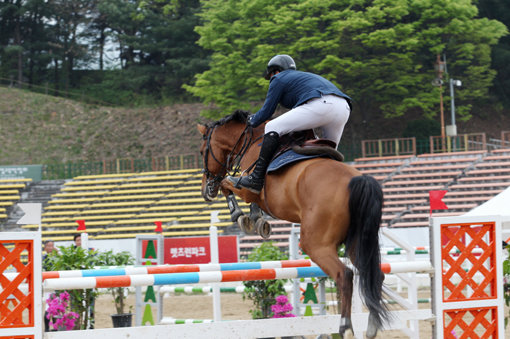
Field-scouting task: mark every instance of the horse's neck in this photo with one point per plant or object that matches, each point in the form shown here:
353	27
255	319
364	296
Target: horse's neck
252	153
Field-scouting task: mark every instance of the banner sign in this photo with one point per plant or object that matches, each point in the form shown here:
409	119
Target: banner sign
33	172
197	250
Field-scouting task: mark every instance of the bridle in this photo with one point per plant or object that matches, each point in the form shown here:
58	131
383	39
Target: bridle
242	145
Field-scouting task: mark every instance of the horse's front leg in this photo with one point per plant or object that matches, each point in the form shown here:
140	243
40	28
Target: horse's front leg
262	227
233	207
237	215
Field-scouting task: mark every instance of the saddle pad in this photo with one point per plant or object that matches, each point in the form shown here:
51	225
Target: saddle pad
290	157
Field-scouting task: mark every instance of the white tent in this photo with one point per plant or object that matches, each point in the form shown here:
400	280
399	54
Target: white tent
499	205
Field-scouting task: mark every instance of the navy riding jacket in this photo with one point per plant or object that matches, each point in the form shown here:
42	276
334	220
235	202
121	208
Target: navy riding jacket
292	88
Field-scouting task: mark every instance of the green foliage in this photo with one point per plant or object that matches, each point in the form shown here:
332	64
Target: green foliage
76	258
264	292
152	41
499	10
380	52
506	285
123	258
422	129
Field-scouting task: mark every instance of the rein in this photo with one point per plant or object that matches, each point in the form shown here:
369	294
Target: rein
243	143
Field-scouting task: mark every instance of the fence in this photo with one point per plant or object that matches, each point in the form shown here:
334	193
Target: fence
117	166
388	147
458	143
505	139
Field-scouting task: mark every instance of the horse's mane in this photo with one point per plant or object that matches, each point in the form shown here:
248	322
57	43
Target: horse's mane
238	115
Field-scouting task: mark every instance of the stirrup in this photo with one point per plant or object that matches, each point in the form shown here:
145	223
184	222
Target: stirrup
237	182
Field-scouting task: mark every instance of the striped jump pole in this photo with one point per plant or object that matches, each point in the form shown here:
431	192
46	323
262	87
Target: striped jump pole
181	278
394	267
161	269
213	276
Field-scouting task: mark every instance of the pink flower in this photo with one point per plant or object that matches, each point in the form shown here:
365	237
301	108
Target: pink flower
57	312
282	309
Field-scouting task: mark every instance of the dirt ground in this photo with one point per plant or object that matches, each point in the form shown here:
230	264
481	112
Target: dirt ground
233	308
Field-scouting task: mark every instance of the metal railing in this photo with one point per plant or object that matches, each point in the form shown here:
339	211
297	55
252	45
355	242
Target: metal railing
458	143
388	147
116	166
505	139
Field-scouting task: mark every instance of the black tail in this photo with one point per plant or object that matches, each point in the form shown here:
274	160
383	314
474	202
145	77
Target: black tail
362	243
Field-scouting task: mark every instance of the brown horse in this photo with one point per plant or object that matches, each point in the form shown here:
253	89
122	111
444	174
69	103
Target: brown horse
331	200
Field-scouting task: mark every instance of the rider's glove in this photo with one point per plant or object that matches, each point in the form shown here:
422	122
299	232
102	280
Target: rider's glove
250	120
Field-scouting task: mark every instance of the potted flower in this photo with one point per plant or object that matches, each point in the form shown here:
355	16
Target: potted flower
282	308
119	294
61	319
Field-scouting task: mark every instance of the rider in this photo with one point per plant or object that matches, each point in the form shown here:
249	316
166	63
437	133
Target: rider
314	102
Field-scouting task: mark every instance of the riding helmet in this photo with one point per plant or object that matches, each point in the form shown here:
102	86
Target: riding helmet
279	63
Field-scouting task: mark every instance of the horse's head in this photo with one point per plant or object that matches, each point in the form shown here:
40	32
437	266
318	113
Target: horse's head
223	144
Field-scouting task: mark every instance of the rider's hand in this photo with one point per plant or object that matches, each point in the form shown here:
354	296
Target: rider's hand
250	120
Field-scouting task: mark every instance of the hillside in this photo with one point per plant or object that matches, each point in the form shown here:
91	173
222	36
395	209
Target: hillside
36	128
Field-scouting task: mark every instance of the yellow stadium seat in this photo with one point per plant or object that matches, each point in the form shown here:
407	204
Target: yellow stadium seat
11	186
78	194
9	197
93	182
71	201
88	188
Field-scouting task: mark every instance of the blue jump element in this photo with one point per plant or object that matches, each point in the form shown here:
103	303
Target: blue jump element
103	272
176	278
240	266
310	272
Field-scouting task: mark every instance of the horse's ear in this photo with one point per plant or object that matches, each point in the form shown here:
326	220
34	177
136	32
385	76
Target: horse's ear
202	129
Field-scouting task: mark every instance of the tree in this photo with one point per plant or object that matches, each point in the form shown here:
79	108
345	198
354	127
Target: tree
380	52
499	10
157	46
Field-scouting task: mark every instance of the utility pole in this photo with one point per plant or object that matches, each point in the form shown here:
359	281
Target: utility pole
440	67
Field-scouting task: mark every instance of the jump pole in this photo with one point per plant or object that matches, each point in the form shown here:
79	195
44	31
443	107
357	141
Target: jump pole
182	278
393	267
158	269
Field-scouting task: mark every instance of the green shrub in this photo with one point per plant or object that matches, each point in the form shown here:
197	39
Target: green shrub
264	292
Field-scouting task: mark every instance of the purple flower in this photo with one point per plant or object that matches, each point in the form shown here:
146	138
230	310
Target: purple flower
57	312
282	309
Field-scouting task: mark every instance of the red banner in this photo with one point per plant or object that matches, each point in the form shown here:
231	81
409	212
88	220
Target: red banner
197	250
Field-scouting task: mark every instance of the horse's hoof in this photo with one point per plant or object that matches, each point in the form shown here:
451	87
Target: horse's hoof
246	224
263	228
348	334
236	214
371	328
371	333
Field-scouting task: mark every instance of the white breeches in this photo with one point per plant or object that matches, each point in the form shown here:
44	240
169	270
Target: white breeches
329	113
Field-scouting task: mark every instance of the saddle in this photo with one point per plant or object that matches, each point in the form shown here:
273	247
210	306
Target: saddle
305	143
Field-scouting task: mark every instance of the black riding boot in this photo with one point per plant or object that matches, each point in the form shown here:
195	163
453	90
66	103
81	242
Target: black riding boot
255	181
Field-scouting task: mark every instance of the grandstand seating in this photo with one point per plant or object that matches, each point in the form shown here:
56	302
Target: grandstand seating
422	174
10	190
128	204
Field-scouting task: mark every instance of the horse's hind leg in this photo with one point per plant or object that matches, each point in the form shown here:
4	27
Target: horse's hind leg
327	259
344	289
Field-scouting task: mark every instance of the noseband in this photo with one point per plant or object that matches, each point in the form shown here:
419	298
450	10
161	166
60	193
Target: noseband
243	143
